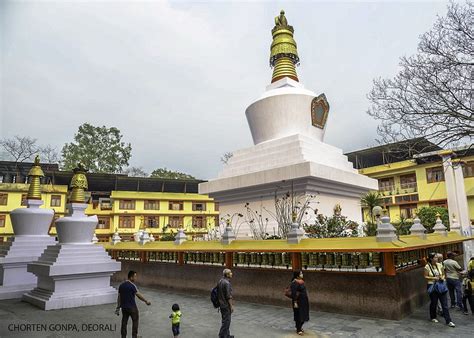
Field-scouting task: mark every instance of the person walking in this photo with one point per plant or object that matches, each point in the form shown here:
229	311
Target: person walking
126	300
434	274
175	320
468	296
226	303
452	270
300	302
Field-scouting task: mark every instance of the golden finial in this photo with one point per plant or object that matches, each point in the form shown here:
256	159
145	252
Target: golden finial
78	185
34	191
283	52
438	215
142	223
385	211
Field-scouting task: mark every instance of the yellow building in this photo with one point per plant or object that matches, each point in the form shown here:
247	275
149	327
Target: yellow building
411	175
124	204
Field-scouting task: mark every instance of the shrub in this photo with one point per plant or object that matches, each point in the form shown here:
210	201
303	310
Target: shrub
427	216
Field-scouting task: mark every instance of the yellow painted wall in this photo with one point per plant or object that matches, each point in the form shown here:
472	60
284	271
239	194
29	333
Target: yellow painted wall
426	191
15	192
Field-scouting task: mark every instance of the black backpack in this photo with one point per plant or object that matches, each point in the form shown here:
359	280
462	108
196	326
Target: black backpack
215	297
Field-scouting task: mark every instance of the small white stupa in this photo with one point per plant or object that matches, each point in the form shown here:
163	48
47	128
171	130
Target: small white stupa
30	226
75	272
287	124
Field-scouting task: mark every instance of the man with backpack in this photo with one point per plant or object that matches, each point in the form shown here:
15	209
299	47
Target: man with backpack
224	296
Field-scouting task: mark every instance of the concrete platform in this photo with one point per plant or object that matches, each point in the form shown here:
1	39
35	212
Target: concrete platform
201	320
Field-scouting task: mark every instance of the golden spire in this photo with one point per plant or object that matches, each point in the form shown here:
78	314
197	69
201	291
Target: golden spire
283	53
78	185
34	191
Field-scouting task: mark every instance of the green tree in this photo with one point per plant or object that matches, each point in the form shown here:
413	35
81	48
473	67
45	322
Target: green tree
427	216
99	149
330	227
370	200
170	174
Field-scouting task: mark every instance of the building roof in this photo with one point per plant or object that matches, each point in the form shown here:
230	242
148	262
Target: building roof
23	168
390	153
103	184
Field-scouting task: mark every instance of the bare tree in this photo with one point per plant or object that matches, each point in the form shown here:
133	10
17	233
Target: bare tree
135	172
49	154
432	95
226	157
20	148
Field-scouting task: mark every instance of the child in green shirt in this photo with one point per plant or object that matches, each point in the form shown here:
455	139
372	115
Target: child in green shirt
175	320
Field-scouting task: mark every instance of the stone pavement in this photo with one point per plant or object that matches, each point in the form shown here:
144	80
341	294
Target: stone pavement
200	319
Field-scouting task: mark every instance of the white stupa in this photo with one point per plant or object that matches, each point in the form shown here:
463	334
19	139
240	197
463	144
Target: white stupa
74	272
30	226
287	124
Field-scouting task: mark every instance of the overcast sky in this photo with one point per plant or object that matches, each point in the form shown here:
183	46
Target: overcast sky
176	77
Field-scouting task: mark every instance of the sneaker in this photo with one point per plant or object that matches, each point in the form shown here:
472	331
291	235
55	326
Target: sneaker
300	333
434	320
451	324
465	313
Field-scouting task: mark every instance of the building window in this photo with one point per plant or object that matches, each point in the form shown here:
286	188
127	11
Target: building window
176	205
127	204
3	199
152	221
408	181
199	222
468	169
386	184
406	198
386	200
23	199
126	221
434	174
104	222
152	205
199	206
176	221
442	204
105	204
408	210
3	220
216	206
55	200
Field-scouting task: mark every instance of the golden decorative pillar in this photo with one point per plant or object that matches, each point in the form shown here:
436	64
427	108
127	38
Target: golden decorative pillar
283	51
34	175
78	185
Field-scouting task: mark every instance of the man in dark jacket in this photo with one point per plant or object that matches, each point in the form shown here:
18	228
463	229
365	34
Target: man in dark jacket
126	300
224	293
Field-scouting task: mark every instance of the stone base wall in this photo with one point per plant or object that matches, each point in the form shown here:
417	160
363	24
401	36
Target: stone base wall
364	294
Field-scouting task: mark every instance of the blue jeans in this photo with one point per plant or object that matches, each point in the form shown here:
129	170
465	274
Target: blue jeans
443	299
454	285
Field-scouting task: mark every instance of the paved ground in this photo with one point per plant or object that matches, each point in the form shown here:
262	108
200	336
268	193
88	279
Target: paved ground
201	320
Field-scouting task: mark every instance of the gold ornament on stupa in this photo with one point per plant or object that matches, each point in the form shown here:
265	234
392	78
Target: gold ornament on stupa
78	184
283	52
34	175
